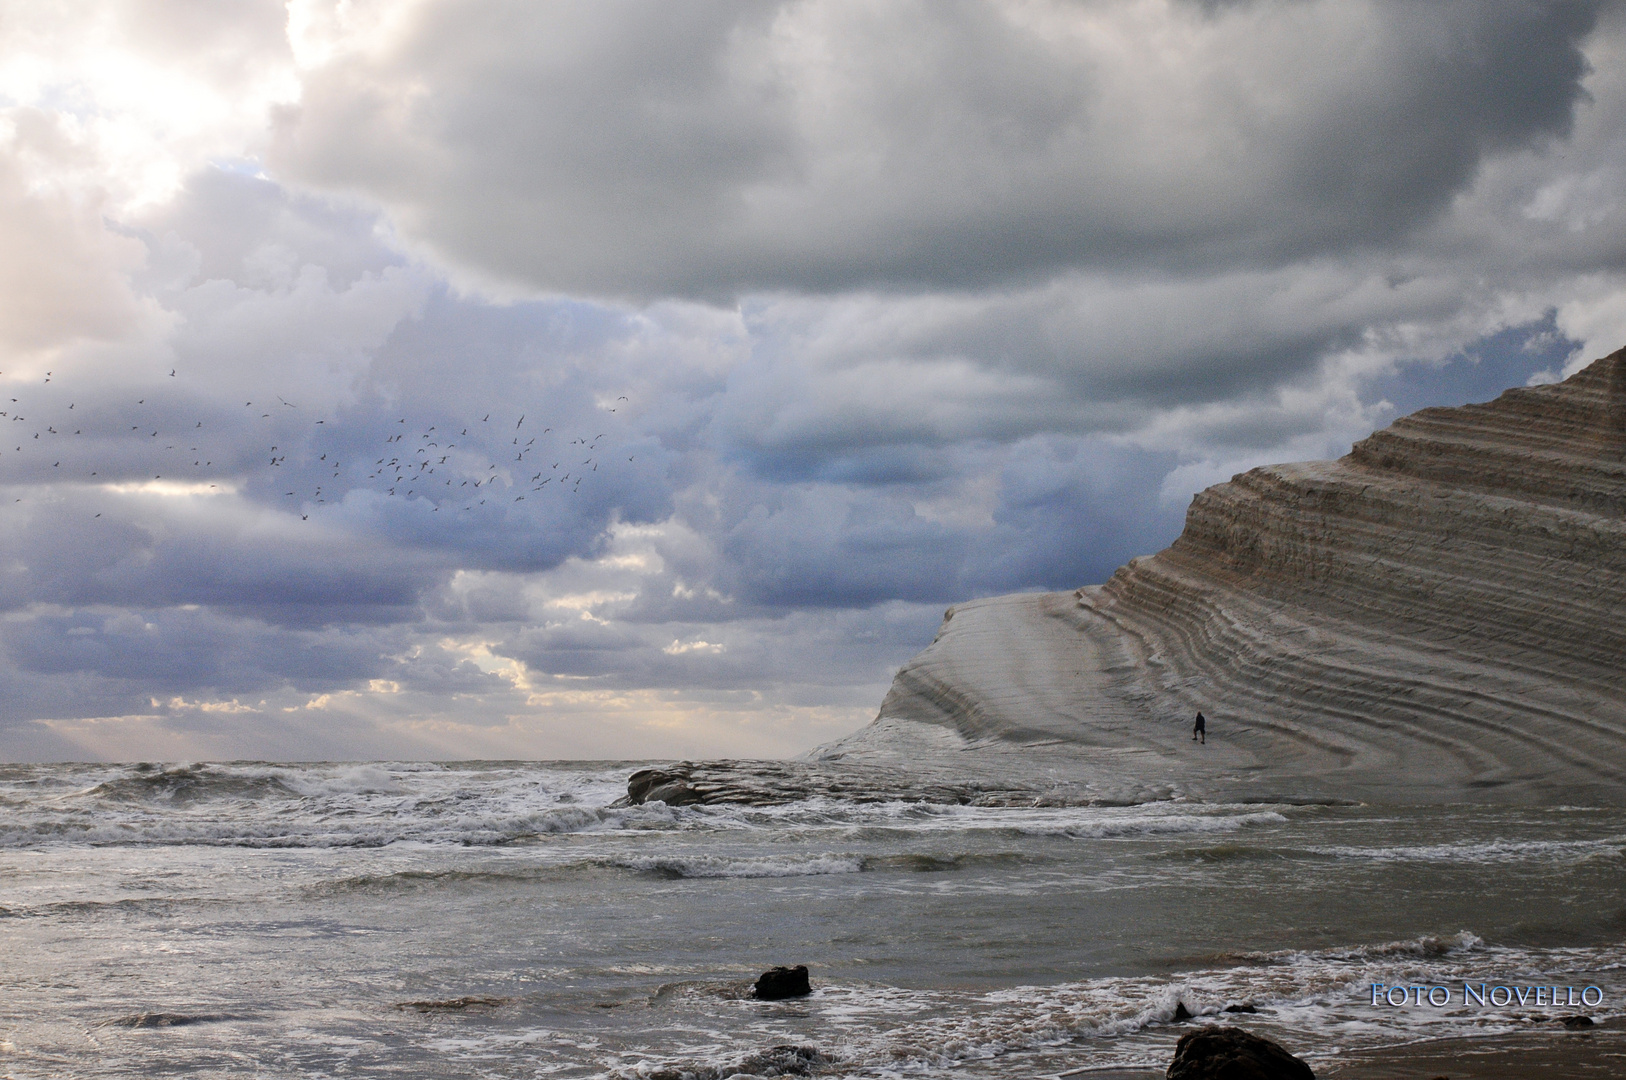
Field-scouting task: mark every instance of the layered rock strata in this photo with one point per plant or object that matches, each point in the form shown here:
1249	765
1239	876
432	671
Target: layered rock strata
1440	614
745	782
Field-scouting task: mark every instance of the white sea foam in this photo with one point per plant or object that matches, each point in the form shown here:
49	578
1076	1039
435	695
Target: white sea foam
366	779
323	806
1492	851
1078	822
1156	825
371	805
622	939
1306	999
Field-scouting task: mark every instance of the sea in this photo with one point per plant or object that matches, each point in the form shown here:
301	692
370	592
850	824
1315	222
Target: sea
519	919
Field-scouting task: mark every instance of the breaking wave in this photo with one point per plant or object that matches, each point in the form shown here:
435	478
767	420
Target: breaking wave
1304	998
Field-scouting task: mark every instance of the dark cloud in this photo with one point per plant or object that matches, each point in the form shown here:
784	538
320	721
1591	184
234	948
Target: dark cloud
623	149
141	556
1052	512
140	652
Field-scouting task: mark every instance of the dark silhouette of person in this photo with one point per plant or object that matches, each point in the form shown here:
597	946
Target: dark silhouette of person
1200	730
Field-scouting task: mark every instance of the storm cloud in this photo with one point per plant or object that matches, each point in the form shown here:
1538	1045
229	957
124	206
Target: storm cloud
615	380
635	148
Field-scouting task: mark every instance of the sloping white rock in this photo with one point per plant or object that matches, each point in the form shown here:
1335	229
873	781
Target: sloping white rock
1439	615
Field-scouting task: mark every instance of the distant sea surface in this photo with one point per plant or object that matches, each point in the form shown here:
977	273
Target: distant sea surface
506	920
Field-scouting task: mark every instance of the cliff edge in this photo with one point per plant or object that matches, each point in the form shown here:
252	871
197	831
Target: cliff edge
1440	615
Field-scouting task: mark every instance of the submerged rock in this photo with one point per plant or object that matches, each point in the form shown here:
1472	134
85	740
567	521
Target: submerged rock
784	1060
457	1004
1226	1053
157	1020
783	982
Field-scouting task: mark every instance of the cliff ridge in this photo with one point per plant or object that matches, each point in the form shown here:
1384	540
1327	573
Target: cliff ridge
1438	615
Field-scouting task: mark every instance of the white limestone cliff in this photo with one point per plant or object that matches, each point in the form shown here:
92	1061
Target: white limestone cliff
1439	615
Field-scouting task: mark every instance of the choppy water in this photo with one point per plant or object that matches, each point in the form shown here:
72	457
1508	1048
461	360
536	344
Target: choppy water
504	920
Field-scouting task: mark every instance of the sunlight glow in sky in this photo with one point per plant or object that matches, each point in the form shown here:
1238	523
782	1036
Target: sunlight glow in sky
623	380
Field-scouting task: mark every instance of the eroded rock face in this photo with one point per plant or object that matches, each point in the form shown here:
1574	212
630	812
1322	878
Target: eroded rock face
741	782
1440	614
1216	1053
670	786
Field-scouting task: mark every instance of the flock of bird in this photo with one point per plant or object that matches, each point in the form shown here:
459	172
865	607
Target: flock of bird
451	465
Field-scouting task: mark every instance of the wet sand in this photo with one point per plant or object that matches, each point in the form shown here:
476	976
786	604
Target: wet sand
1600	1052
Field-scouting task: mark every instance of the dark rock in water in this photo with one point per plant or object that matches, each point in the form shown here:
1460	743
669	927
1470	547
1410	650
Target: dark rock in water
156	1020
457	1004
775	1061
1240	1009
783	982
1223	1053
1180	1012
1575	1023
660	785
773	783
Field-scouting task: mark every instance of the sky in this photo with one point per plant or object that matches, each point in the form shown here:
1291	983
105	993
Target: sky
429	379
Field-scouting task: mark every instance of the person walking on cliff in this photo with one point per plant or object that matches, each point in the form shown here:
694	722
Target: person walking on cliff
1200	730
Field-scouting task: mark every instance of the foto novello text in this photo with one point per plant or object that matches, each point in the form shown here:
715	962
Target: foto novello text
1486	994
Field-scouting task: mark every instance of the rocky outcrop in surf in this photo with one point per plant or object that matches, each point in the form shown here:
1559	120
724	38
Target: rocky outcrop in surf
1218	1053
744	782
1440	614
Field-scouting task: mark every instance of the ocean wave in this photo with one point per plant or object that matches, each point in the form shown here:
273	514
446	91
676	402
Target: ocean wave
878	820
259	805
182	784
1229	852
672	867
1428	947
1486	851
97	908
1155	825
371	832
718	866
783	1060
413	880
166	1020
770	866
365	779
325	806
1314	1000
457	1004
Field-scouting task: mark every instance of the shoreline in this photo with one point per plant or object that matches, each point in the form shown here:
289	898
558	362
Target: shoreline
1598	1051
